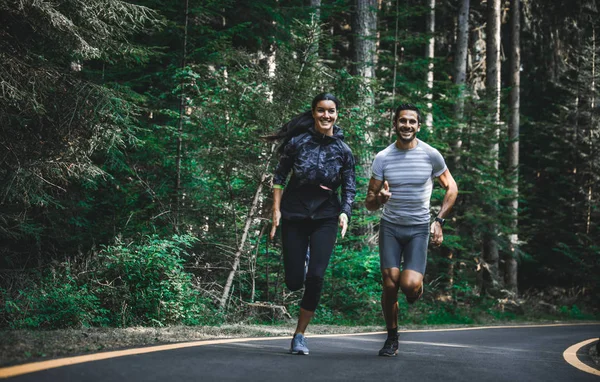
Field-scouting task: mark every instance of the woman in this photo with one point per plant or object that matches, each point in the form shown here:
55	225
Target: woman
309	208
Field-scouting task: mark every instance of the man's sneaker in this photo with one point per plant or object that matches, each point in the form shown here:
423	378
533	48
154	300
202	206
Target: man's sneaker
412	300
299	345
390	348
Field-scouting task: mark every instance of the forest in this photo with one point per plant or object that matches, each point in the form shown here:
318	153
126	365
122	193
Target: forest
136	184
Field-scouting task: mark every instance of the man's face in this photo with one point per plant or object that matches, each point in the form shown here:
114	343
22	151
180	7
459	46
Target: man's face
407	125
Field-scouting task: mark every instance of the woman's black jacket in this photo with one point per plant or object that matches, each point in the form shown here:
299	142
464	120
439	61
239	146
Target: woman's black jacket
320	164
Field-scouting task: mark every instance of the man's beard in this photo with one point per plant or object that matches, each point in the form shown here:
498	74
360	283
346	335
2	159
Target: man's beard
405	140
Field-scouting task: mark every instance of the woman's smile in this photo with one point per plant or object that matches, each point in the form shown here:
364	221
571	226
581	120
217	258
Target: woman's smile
325	115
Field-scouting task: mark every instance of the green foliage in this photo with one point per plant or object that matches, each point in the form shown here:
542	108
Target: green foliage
55	121
60	300
141	283
146	283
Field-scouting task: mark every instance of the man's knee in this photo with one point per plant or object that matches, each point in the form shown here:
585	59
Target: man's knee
410	282
390	285
390	280
411	288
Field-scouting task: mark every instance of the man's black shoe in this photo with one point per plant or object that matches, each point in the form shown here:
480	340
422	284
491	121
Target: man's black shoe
390	348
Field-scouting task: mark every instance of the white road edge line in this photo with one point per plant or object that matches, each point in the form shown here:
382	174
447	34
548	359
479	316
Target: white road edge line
570	355
27	368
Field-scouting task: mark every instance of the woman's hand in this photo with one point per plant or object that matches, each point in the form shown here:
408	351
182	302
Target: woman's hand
343	220
275	223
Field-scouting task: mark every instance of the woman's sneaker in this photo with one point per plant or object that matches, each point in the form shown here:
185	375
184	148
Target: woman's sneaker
299	345
390	347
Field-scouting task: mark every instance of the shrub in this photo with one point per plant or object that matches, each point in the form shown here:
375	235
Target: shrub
141	283
58	301
146	284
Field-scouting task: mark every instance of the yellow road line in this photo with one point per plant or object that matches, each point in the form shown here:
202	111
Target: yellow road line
27	368
570	355
13	371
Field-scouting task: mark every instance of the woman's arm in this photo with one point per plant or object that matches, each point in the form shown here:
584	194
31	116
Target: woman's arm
348	192
277	191
286	162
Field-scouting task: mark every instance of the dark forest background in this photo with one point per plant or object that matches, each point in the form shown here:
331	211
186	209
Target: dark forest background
135	188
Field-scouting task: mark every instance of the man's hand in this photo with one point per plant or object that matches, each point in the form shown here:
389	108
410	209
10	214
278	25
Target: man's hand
275	223
437	234
384	194
378	194
343	220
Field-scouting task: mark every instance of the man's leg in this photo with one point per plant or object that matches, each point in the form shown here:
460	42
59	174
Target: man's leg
390	252
389	296
415	262
389	305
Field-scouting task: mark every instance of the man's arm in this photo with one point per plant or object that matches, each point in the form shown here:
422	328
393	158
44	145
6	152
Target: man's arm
377	194
448	183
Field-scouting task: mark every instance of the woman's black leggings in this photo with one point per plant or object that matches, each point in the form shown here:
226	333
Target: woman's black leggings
296	236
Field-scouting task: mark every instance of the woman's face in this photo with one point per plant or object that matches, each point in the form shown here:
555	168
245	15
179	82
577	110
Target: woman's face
325	115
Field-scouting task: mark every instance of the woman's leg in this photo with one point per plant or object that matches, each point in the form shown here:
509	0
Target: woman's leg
295	237
322	241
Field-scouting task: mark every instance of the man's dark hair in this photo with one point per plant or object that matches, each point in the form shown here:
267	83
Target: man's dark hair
407	106
301	123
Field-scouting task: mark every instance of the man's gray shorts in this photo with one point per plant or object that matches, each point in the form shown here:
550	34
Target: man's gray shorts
406	244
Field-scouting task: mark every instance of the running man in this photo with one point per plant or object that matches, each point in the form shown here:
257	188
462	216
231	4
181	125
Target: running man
402	182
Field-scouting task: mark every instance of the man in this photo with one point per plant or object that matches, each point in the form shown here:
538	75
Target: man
402	182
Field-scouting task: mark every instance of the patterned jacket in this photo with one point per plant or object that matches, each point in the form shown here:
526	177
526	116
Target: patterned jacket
320	164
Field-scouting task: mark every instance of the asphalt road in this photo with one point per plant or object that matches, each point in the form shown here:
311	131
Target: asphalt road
530	353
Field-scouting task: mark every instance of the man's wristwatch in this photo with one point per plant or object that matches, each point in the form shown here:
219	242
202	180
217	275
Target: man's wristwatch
440	220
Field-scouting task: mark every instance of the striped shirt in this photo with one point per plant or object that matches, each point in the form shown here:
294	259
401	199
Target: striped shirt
410	175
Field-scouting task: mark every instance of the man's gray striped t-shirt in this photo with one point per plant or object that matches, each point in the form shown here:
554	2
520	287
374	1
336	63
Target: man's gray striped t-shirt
410	175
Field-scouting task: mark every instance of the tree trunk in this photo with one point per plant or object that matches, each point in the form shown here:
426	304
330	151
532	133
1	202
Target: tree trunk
240	250
510	261
490	245
430	55
364	28
254	261
178	192
590	199
365	45
493	69
460	73
365	42
390	131
460	79
315	22
316	9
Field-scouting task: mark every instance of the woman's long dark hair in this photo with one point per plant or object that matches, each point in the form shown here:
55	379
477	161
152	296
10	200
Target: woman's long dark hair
301	123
